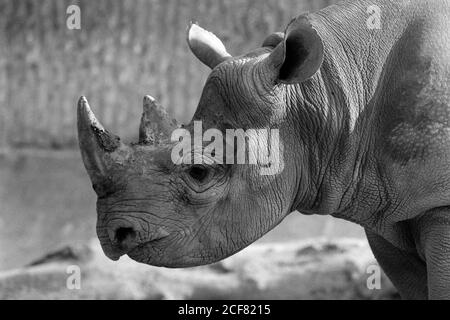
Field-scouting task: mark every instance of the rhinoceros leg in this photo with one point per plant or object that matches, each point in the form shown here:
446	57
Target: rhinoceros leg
434	229
406	271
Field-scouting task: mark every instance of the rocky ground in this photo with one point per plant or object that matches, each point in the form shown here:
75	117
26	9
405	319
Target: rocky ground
313	269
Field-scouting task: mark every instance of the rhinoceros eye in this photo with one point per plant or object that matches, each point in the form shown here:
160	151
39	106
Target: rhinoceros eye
198	173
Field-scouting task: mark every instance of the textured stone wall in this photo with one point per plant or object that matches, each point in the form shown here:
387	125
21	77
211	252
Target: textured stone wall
124	50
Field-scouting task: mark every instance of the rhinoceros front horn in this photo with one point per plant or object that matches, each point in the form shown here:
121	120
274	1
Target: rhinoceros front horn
156	125
95	142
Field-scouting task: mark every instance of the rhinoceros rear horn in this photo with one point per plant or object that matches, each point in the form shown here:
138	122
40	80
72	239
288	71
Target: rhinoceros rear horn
156	125
95	142
206	46
299	56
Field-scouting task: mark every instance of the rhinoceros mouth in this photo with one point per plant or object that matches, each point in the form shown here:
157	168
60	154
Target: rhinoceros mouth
112	255
152	247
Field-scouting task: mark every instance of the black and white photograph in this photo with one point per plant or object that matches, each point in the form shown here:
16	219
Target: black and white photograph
247	151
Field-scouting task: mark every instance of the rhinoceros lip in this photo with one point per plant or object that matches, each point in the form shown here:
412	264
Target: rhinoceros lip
135	251
113	256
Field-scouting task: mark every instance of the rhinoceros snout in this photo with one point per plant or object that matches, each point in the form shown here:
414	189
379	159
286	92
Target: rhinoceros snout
124	236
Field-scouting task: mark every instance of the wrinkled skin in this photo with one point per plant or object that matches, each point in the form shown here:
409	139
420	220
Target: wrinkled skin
203	221
364	120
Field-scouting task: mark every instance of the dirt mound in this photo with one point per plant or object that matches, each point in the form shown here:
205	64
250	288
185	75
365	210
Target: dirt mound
313	269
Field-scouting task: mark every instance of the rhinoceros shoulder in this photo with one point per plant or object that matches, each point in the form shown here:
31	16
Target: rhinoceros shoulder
414	103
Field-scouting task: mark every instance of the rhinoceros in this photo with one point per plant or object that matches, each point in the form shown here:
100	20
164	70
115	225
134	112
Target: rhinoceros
363	115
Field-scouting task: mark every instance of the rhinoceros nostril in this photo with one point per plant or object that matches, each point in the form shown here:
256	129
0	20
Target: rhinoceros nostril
125	236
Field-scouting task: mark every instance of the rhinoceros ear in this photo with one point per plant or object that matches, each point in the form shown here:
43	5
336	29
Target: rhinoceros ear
206	46
300	55
273	40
